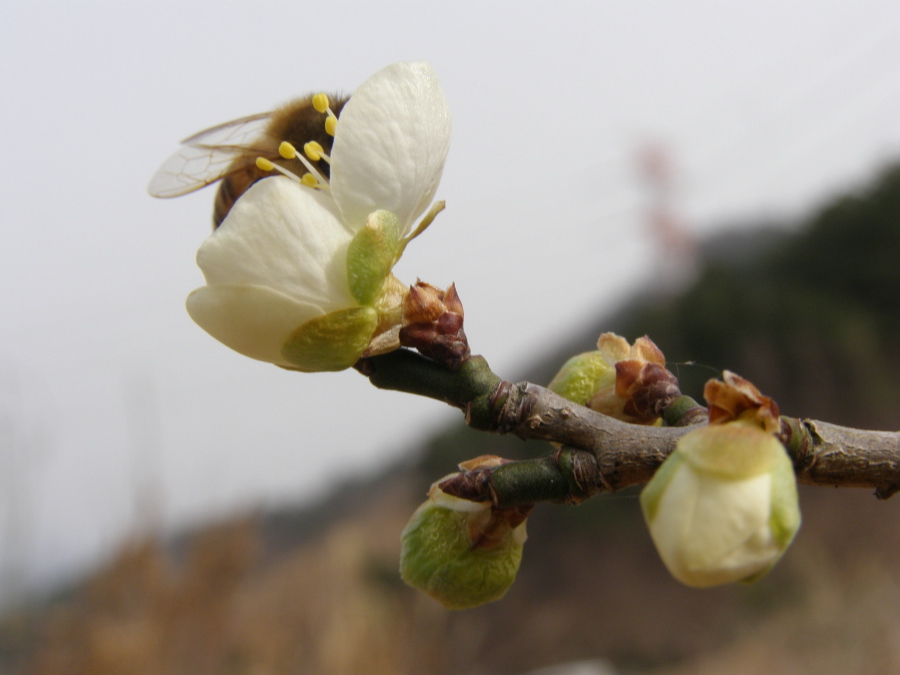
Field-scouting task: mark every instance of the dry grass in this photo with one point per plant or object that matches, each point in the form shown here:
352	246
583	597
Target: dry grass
323	610
334	605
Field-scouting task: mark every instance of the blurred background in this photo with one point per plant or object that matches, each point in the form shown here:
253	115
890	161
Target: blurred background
716	175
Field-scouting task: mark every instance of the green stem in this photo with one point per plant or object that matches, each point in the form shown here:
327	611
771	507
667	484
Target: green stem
567	476
407	371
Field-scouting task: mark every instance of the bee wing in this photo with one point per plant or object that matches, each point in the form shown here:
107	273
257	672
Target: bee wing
210	155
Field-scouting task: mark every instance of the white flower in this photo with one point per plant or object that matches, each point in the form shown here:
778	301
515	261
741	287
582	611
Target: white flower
298	276
723	507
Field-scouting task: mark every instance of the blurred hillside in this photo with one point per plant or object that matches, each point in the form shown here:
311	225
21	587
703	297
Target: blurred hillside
810	313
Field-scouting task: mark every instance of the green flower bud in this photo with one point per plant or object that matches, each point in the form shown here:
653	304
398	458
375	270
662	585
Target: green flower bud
620	380
582	376
439	558
723	507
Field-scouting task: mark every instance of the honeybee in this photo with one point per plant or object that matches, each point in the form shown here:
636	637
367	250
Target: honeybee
228	152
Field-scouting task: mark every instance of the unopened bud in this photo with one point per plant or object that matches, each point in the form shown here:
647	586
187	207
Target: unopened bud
723	507
628	382
582	376
643	386
462	553
433	324
647	389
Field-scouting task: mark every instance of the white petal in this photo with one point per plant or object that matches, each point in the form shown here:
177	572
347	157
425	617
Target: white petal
287	237
391	143
712	532
729	518
253	320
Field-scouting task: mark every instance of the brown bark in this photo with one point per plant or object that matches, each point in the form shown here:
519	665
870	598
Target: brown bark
626	454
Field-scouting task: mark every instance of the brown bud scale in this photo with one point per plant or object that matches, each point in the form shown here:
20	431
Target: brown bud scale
433	324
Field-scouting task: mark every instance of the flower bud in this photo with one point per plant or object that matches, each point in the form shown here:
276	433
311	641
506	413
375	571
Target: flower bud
461	553
628	382
582	376
723	507
433	324
642	387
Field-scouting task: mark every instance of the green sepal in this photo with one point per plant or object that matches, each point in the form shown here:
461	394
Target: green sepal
785	517
331	342
582	376
653	491
371	256
437	558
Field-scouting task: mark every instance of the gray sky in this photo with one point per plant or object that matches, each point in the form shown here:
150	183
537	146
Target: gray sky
109	393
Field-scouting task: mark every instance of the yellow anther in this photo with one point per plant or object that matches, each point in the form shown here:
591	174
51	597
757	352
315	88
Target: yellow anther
264	164
320	102
331	125
314	151
287	150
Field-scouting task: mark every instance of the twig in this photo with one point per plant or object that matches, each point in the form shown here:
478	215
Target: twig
603	454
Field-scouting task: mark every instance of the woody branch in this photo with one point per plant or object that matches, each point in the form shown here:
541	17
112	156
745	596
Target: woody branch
601	453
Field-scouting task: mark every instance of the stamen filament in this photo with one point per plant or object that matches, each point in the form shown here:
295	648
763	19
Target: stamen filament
266	165
288	151
311	179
